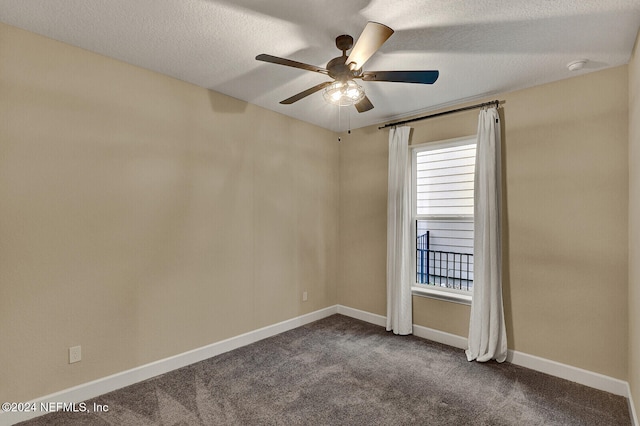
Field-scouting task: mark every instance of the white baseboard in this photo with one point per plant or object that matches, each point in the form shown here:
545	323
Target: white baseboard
632	408
569	372
418	330
119	380
553	368
363	315
440	337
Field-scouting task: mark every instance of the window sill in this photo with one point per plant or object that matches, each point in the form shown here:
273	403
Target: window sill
447	296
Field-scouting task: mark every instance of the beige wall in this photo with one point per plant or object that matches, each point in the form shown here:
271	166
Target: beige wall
142	217
565	220
634	225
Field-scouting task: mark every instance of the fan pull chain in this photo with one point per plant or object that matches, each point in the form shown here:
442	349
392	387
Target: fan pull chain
339	124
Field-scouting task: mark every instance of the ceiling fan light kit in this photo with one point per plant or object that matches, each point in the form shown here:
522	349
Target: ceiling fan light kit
344	91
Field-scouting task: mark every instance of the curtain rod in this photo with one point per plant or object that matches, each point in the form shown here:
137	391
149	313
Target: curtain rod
398	123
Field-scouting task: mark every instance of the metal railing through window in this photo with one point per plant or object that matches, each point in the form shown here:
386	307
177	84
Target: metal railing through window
443	268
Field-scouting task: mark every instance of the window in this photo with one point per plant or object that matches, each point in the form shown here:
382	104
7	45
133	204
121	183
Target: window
442	210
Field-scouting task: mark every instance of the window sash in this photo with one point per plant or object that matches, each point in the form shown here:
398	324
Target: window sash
447	202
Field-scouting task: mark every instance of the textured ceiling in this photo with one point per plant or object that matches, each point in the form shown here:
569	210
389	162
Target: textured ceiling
480	47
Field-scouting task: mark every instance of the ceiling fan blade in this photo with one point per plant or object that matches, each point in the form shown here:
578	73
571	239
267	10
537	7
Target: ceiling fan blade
289	63
373	36
364	105
306	93
422	77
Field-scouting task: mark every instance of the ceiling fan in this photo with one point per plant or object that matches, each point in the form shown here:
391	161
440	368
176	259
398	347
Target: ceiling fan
345	69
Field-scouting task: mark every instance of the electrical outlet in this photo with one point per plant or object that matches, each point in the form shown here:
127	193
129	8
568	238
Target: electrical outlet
304	296
75	354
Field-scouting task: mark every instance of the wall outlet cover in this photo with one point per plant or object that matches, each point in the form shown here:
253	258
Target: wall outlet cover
75	354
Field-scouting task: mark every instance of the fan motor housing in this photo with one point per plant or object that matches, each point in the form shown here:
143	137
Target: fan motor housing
338	69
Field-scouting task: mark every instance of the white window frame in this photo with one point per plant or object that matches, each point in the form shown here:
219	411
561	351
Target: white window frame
425	290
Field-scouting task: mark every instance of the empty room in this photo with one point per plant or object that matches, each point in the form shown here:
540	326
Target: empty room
331	212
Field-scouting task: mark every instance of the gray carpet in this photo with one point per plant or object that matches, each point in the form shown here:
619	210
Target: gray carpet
341	371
